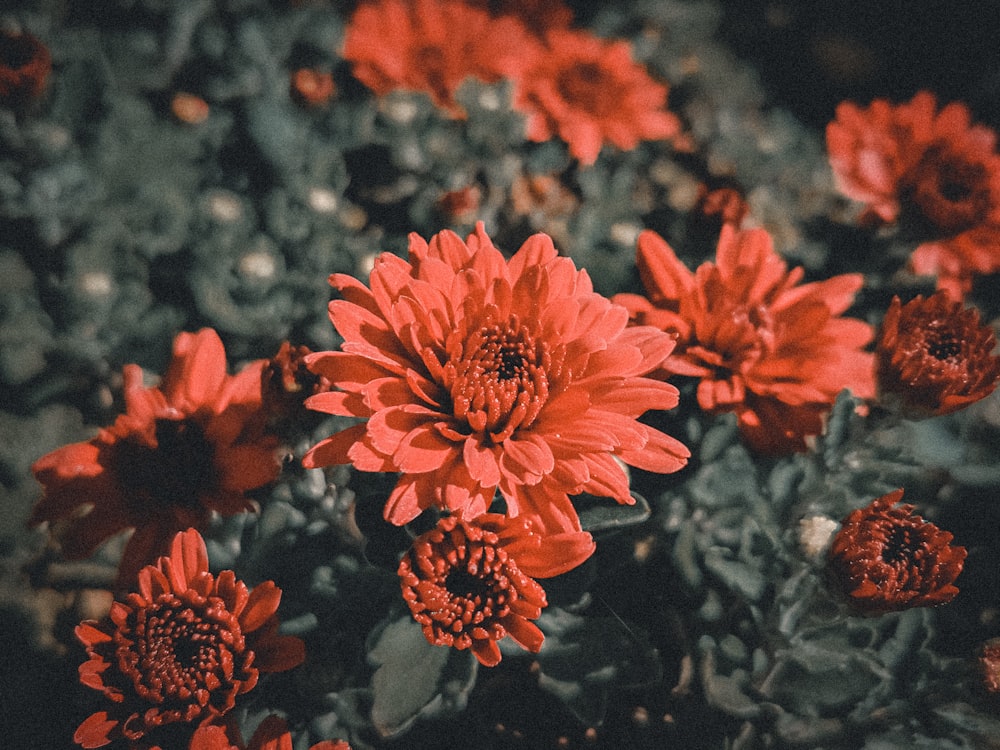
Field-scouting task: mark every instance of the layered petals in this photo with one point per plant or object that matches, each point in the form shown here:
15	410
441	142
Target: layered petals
761	344
477	374
191	447
178	652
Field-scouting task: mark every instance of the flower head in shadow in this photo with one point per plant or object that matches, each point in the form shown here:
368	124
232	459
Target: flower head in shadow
934	356
930	170
25	64
763	345
588	91
471	583
885	559
181	649
476	374
183	450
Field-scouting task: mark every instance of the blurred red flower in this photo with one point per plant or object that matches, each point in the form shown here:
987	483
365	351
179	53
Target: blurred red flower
181	649
433	46
476	374
934	357
885	559
271	734
470	583
933	172
764	346
588	91
25	65
183	450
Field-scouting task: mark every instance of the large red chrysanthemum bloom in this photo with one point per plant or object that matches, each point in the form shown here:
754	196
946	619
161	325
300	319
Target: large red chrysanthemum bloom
934	356
271	734
588	91
179	651
764	346
885	559
183	450
433	46
471	583
476	374
933	172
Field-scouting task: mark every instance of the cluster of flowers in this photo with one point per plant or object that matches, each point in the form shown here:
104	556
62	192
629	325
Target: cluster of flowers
567	82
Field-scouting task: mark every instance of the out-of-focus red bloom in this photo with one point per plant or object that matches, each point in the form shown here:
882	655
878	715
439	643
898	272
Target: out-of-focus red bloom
989	665
189	108
885	559
934	357
312	87
470	583
181	649
764	346
933	172
25	64
537	15
286	383
726	205
461	205
271	734
433	46
474	374
588	91
181	451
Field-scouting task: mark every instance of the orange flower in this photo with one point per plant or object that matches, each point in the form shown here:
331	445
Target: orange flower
885	559
476	374
311	87
934	357
470	583
933	172
764	346
271	734
433	46
588	92
182	451
178	652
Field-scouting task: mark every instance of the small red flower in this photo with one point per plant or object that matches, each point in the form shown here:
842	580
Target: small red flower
476	374
25	64
772	350
271	734
933	172
885	559
286	383
182	451
934	357
433	46
181	649
314	88
989	665
589	91
470	583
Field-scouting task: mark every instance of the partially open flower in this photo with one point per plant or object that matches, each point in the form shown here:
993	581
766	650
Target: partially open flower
182	451
470	583
934	357
179	651
885	559
25	64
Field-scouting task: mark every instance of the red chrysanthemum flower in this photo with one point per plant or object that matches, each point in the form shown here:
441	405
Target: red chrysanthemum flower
934	357
271	734
181	649
885	559
476	374
25	64
934	172
470	583
433	46
588	91
764	346
181	451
